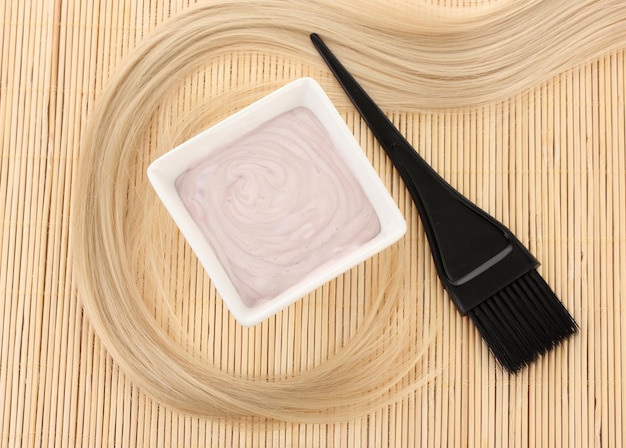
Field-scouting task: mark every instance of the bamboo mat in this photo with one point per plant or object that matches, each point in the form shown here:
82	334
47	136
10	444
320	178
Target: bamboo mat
550	164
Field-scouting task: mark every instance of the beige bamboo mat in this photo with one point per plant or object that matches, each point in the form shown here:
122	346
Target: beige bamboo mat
550	164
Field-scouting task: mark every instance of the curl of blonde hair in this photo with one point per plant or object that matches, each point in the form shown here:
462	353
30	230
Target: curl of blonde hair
410	56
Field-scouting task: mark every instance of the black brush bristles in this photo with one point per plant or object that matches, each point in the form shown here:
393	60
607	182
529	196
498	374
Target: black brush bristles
523	321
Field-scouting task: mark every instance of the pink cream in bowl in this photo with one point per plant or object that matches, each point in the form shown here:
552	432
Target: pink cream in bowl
277	204
277	200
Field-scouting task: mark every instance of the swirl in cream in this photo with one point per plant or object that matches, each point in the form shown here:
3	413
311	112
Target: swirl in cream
277	204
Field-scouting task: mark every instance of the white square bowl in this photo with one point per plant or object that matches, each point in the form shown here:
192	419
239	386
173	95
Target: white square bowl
302	93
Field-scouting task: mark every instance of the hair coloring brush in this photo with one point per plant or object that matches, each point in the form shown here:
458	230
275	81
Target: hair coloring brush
488	273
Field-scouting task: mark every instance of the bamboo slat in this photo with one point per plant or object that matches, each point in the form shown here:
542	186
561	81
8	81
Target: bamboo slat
550	164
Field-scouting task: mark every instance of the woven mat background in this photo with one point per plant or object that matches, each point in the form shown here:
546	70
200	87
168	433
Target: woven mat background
551	165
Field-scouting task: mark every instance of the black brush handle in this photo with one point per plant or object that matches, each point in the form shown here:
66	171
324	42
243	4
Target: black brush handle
465	241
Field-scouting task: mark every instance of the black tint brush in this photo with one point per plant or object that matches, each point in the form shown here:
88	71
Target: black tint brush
488	273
